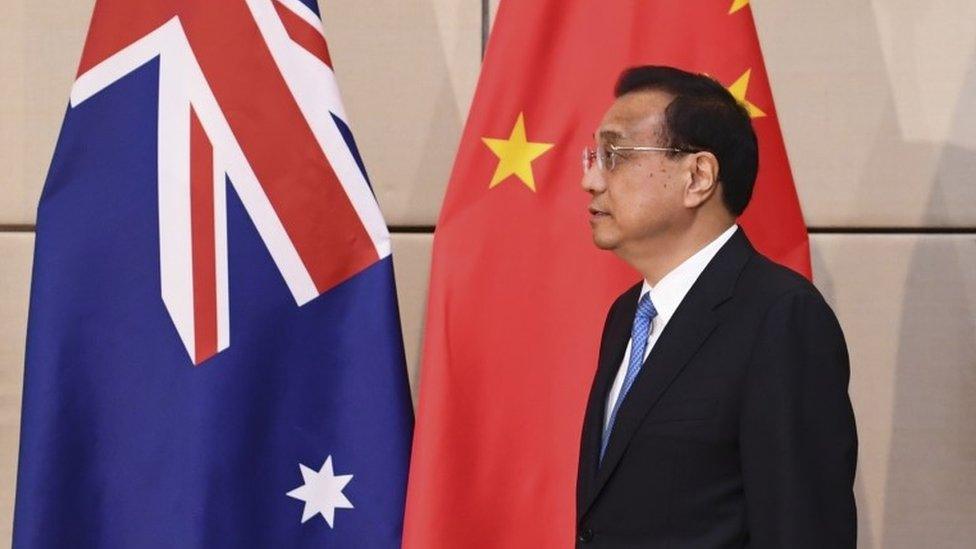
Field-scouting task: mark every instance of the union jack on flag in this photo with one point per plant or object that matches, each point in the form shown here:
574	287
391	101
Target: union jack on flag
206	205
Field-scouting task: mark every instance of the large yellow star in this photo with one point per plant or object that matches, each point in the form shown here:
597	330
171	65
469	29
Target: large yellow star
738	90
738	5
515	155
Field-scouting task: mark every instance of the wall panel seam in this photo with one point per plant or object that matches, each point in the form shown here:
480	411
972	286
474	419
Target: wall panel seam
485	25
429	229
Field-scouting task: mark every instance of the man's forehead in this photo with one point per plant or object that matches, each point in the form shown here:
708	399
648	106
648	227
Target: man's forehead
634	115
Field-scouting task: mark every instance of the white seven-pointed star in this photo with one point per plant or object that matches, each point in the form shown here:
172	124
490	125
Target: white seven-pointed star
322	492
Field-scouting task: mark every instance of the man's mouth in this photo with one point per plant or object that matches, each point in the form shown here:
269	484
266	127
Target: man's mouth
597	213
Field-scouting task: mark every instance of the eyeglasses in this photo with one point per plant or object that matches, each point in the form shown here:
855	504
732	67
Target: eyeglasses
606	156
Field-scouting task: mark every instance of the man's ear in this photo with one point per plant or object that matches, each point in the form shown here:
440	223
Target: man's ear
703	167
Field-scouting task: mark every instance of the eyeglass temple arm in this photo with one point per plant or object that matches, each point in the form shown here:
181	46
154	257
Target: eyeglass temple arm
616	148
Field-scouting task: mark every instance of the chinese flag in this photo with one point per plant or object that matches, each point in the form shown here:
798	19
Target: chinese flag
518	292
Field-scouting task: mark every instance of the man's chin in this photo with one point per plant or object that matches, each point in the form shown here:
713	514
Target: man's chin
604	242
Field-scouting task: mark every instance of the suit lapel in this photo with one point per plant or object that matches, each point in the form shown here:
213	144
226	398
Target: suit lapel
689	327
611	353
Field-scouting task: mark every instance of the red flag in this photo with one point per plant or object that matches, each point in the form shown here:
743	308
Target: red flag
518	291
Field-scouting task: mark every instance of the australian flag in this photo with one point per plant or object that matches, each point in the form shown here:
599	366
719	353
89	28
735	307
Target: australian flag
214	356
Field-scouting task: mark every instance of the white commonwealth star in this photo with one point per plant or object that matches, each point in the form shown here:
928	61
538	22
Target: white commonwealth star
322	492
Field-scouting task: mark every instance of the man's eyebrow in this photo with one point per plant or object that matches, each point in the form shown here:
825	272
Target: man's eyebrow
610	135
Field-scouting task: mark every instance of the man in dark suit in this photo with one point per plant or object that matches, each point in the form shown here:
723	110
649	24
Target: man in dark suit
719	413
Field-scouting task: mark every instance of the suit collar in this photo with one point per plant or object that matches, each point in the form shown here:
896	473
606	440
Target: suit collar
671	289
692	323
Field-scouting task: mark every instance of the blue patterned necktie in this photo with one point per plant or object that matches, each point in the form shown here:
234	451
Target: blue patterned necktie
638	342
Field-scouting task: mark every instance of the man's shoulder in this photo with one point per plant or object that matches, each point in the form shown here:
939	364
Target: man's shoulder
765	283
770	279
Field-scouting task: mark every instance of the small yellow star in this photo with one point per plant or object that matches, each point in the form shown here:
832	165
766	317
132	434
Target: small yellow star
738	90
738	5
515	155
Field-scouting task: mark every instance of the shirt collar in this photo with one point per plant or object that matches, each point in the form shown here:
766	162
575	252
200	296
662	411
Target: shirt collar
668	293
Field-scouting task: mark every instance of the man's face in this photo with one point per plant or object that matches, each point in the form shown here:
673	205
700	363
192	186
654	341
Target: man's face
641	198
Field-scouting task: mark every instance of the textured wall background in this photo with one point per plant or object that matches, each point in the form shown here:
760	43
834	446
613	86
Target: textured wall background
877	100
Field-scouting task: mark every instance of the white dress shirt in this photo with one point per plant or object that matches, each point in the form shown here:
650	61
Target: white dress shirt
666	296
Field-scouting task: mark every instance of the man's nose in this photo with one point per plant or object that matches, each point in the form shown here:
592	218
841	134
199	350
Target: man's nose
593	181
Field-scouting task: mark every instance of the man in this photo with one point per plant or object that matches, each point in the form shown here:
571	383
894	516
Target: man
719	414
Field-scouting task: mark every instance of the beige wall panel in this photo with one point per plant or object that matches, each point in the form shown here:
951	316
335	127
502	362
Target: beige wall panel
877	103
40	45
411	263
407	71
15	264
907	304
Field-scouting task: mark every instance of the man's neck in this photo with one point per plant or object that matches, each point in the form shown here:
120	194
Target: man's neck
660	257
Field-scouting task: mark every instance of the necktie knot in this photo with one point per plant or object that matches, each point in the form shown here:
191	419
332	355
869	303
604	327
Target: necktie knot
642	320
645	308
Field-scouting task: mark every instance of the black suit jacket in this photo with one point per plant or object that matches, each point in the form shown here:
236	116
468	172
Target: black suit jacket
738	431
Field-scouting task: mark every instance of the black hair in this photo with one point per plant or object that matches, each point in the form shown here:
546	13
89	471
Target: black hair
703	116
